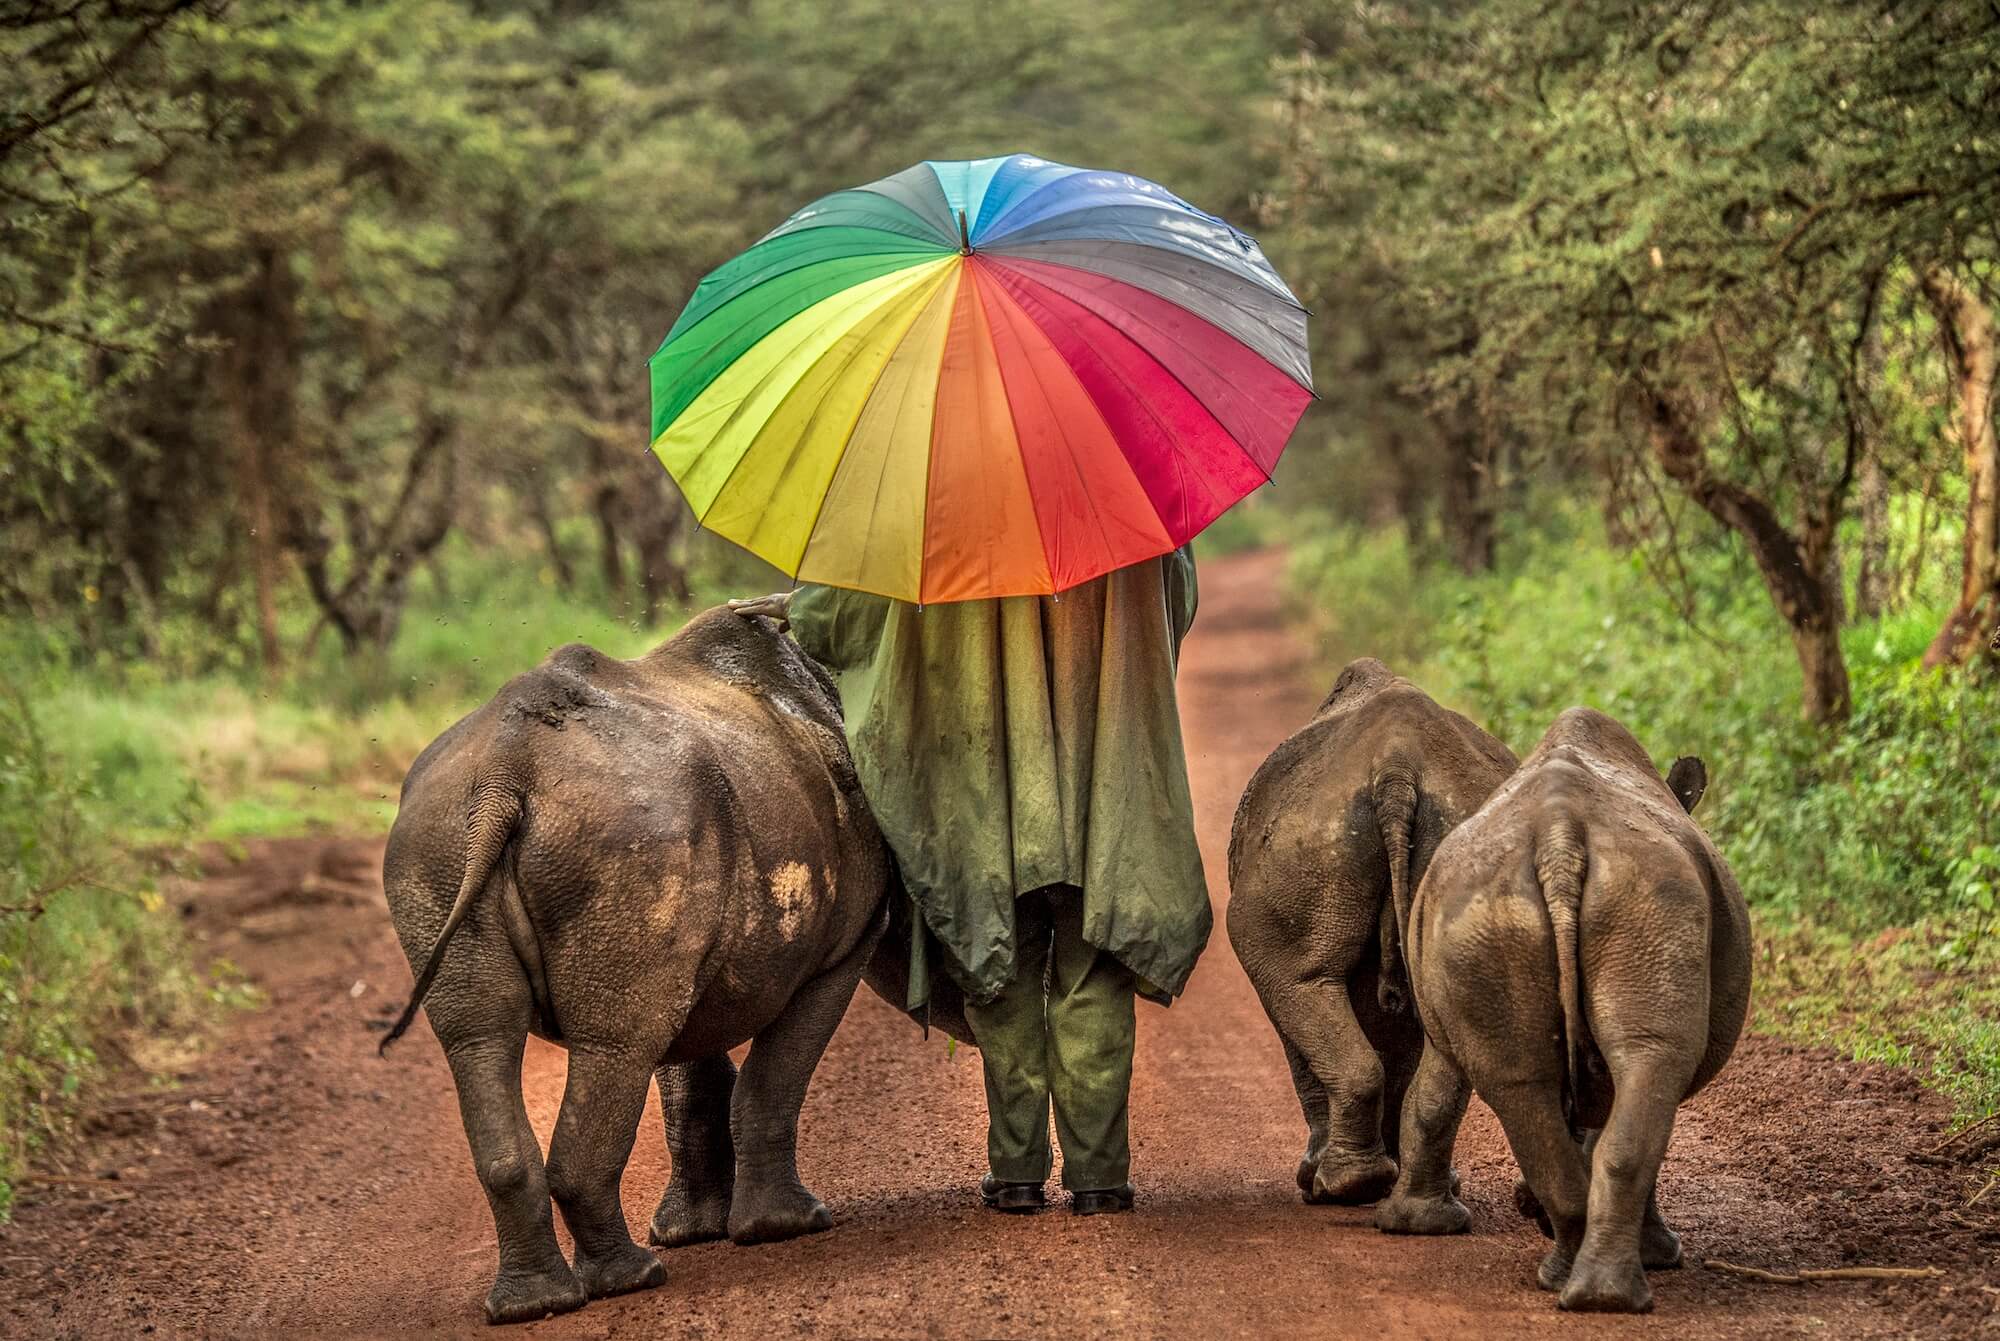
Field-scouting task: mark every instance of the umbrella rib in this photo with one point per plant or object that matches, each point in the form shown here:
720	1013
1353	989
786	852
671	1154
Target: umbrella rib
1034	514
1013	205
1221	374
950	286
905	245
1166	434
750	318
1265	277
1069	456
735	414
847	441
1142	261
1164	430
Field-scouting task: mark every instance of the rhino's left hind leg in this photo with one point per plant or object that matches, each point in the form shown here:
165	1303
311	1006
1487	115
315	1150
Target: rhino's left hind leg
1312	1101
1425	1198
770	1202
593	1139
694	1100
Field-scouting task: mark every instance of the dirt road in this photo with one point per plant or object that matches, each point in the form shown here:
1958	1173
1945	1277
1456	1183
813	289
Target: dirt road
294	1184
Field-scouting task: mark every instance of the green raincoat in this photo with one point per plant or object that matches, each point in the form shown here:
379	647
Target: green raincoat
1007	745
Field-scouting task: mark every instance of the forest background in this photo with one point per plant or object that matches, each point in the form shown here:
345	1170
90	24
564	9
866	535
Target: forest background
1656	346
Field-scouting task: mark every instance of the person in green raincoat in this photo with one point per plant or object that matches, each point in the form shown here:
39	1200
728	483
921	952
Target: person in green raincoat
1023	758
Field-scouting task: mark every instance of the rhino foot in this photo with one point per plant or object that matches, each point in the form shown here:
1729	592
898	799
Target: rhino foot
1597	1287
1659	1247
624	1270
1308	1170
1354	1182
1422	1215
682	1220
765	1215
524	1296
1554	1270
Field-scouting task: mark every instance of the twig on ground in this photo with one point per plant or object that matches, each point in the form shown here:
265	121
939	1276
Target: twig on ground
1984	1190
72	1180
1807	1274
1963	1132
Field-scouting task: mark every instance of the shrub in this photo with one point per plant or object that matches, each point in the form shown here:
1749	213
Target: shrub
87	952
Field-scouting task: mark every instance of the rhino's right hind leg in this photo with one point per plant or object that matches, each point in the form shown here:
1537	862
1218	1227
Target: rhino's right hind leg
694	1100
534	1279
1659	1246
1316	1019
770	1202
599	1117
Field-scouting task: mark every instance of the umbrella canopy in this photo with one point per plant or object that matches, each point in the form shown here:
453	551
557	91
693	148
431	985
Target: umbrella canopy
998	377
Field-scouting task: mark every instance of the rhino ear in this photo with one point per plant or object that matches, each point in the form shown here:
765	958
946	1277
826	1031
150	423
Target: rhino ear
1687	780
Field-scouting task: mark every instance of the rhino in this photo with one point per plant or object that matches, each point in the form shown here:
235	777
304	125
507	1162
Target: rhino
1581	959
1330	838
649	862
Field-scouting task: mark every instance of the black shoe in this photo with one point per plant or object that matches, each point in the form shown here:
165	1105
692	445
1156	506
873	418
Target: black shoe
1014	1198
1106	1201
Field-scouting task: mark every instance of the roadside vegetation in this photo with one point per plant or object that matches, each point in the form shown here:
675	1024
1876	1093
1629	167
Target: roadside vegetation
89	962
1870	856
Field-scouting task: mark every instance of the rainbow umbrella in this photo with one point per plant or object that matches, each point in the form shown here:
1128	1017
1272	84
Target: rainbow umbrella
998	377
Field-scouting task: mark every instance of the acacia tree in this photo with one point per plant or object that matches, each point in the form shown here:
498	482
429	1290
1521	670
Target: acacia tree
1970	337
1673	228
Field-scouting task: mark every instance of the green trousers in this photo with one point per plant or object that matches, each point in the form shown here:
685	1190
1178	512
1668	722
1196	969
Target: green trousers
1062	1028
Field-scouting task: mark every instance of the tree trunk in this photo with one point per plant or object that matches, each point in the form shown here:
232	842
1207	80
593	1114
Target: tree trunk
604	505
1795	569
1975	353
661	518
260	380
1874	579
545	522
1467	507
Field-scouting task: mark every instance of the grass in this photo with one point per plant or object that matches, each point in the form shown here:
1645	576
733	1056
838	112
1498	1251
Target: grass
1868	856
222	753
90	960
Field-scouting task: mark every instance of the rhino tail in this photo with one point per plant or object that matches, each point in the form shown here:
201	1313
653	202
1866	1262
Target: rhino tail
1559	868
1395	793
495	811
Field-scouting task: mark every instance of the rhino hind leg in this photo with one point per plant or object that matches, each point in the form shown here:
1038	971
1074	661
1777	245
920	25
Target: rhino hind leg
1659	1246
1609	1275
769	1202
595	1127
479	1008
1312	1101
694	1099
534	1278
1552	1165
1317	1021
1425	1198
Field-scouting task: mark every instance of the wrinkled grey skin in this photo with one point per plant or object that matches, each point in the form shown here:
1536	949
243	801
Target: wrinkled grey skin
1330	838
1582	959
650	862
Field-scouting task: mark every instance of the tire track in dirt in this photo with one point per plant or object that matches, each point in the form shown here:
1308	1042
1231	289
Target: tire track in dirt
298	1185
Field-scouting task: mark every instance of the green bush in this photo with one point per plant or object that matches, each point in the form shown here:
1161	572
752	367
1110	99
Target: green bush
87	951
325	746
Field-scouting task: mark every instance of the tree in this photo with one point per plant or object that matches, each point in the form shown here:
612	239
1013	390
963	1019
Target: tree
1655	249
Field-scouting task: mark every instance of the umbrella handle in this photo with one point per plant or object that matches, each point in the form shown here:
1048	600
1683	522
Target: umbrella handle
964	240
